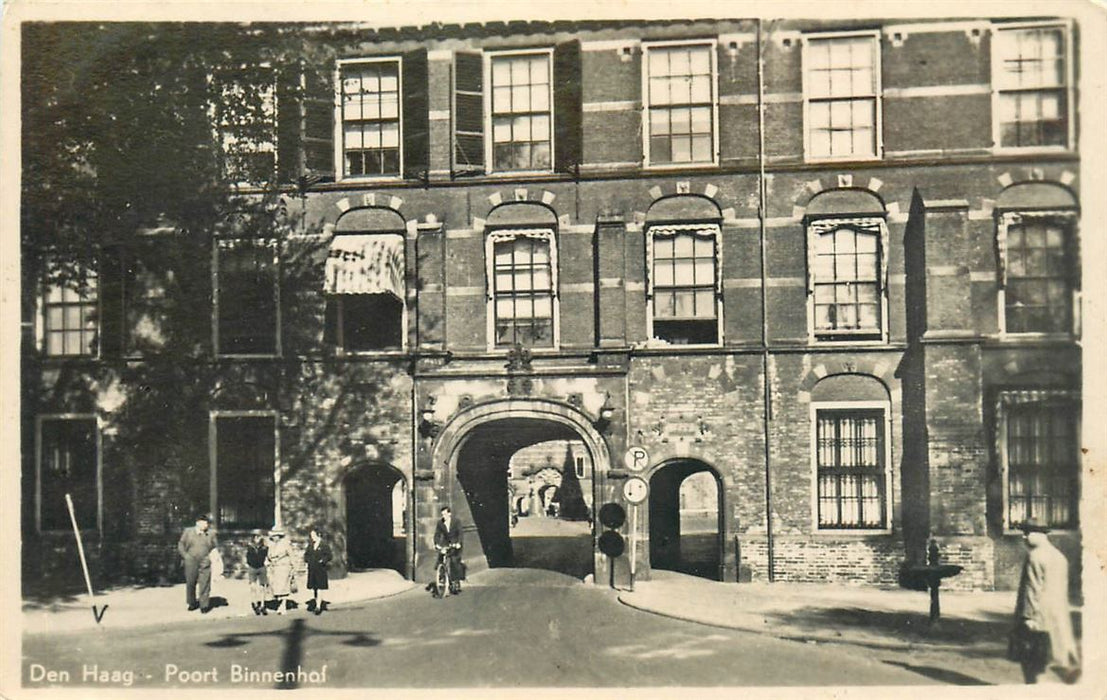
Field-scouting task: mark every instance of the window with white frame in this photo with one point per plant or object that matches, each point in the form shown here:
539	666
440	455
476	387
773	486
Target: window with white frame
520	108
684	289
522	287
851	468
1032	86
1037	271
68	465
846	278
841	79
244	477
370	117
1039	448
70	313
680	104
246	297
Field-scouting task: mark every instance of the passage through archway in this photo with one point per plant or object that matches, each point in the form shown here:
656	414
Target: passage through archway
525	485
686	527
376	502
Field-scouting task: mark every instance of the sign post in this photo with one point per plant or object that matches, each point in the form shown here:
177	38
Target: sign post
635	490
98	614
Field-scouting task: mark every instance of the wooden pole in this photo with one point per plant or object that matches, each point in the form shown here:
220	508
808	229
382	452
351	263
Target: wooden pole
80	546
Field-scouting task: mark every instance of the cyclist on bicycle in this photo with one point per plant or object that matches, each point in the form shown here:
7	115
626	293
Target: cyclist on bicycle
447	540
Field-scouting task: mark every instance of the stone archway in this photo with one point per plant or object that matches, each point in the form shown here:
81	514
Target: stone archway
471	458
686	519
375	532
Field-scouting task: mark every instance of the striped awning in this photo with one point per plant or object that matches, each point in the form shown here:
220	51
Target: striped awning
365	264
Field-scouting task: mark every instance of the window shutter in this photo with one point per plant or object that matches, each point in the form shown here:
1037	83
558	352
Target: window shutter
289	165
567	106
112	301
468	111
317	121
416	115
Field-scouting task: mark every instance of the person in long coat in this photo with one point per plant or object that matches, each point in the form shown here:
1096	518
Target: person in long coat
1042	609
317	556
280	569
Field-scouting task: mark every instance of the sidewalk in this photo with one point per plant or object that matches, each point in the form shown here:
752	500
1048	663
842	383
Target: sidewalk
134	606
967	646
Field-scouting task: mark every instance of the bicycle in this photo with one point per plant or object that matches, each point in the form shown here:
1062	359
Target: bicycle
443	582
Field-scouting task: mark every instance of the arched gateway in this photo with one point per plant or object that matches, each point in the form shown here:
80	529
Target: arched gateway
472	460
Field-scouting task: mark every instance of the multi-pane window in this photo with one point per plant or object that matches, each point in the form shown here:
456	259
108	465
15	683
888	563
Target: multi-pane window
523	289
680	104
521	111
70	316
245	455
846	280
1042	463
246	122
370	118
849	449
246	298
68	465
1038	296
684	285
1031	79
841	84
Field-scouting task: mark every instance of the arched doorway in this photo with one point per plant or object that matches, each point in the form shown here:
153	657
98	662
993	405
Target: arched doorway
686	525
376	501
479	447
552	534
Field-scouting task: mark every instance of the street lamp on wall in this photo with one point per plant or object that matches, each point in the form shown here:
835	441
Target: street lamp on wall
602	424
428	426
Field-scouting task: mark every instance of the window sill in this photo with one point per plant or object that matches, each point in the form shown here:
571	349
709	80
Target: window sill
678	167
507	174
248	356
843	159
853	534
848	340
1029	150
362	354
369	179
1068	532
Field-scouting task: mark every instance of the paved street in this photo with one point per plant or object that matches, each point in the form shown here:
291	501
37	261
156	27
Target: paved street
509	628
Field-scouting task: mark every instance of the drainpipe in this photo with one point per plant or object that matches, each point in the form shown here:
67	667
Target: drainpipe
762	196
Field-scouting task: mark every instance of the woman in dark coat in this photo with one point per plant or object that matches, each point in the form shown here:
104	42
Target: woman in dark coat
317	556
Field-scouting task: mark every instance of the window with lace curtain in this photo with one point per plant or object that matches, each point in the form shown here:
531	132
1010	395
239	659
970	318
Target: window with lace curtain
850	466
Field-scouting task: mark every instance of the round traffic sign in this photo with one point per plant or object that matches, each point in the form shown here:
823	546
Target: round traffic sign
635	490
611	543
612	515
636	459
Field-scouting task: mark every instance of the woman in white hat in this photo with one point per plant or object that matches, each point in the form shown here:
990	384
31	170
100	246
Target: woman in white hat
280	569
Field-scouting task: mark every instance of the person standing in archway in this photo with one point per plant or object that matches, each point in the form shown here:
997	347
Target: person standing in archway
447	540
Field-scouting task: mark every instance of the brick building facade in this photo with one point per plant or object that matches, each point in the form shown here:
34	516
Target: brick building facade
833	265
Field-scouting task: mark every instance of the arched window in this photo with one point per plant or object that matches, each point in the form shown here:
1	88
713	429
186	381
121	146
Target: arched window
851	455
364	282
522	287
847	266
1036	258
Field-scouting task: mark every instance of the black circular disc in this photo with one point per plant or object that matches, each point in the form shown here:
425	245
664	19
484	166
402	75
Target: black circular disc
611	543
612	515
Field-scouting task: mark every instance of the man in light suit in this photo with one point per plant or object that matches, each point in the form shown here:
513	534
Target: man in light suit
1042	611
195	547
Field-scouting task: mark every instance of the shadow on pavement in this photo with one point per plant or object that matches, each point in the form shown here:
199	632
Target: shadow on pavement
909	627
940	674
294	636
